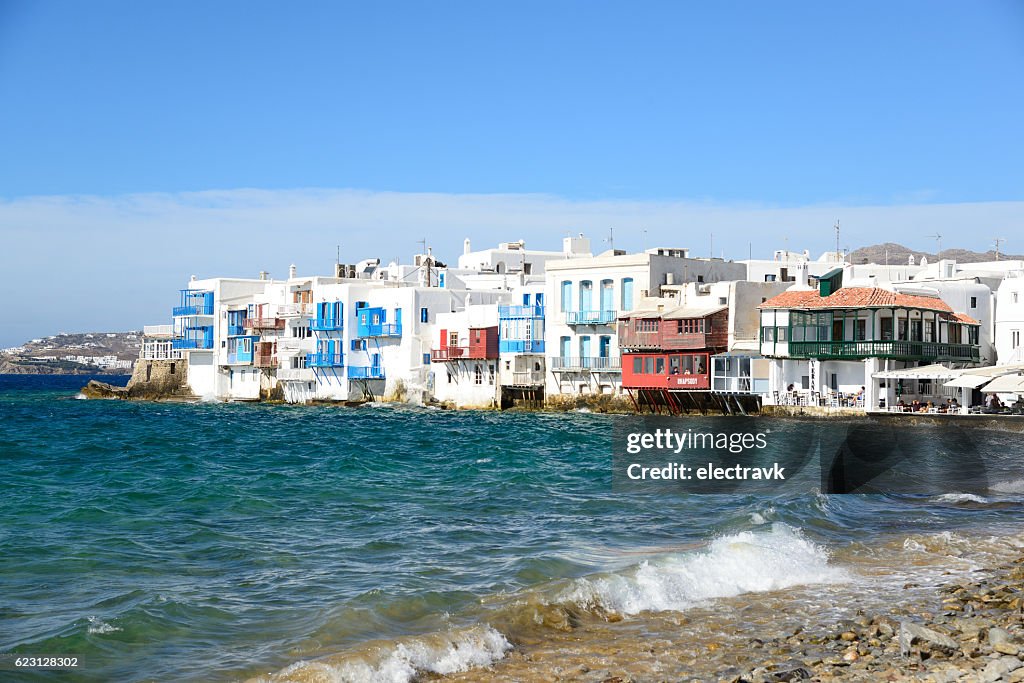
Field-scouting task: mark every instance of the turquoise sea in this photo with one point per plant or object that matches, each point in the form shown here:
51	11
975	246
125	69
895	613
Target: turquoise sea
210	542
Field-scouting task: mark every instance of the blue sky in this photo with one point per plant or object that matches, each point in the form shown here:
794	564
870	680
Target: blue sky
119	119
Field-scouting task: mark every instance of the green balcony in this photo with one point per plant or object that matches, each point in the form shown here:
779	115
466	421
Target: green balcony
900	350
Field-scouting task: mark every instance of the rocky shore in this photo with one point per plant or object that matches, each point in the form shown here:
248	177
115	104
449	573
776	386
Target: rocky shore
975	633
970	629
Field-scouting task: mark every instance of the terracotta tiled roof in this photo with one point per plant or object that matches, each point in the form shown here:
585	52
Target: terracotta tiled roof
964	318
856	297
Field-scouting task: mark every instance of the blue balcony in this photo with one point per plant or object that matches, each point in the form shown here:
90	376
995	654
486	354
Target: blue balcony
381	330
373	322
513	312
521	346
236	323
590	317
240	350
194	302
193	336
329	317
327	324
371	372
192	343
325	360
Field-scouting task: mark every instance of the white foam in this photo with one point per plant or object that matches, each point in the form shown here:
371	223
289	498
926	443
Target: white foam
1013	486
99	627
480	461
959	498
81	397
747	562
402	662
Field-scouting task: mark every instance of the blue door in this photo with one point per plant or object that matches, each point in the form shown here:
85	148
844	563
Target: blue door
585	351
607	296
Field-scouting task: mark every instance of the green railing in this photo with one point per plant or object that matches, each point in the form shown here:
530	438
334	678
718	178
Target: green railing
913	350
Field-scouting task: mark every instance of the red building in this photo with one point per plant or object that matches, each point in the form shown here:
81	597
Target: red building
665	351
481	343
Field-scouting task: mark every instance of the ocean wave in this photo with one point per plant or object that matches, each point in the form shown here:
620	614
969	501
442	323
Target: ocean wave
99	627
746	562
1012	486
403	660
959	498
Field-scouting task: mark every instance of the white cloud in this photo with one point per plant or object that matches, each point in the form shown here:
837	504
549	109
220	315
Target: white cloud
85	262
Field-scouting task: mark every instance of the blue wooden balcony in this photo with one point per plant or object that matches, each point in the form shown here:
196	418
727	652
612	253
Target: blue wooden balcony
362	372
516	312
521	346
327	324
194	337
380	330
194	302
590	317
325	360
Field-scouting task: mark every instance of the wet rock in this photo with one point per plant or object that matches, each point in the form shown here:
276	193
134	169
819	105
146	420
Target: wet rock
96	389
799	673
998	635
994	671
911	633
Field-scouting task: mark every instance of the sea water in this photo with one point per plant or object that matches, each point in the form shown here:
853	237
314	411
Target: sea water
209	542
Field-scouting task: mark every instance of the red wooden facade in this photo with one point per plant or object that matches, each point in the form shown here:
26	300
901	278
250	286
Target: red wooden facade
676	330
670	350
481	344
660	370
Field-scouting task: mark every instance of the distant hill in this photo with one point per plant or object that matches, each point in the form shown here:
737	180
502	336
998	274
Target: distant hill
74	354
897	253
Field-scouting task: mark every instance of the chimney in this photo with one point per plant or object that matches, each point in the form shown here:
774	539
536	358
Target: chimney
465	246
292	271
264	274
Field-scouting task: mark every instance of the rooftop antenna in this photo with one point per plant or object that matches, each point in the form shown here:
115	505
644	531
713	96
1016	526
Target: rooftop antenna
837	238
938	239
644	231
423	245
998	241
611	239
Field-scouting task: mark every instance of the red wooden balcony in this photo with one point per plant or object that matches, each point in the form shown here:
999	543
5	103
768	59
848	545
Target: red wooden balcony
447	354
264	323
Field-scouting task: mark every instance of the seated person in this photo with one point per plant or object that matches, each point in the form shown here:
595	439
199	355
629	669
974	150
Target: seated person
994	403
901	406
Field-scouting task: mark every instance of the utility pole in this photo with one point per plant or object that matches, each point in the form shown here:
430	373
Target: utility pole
999	240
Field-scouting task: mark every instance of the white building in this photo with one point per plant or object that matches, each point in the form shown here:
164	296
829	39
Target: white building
584	298
464	357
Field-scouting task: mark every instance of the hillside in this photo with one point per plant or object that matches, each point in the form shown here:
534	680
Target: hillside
74	354
897	253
